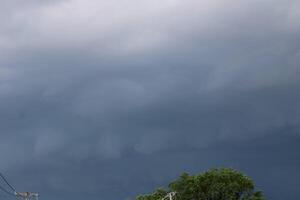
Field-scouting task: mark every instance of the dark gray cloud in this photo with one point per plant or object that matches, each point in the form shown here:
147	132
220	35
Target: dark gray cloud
105	100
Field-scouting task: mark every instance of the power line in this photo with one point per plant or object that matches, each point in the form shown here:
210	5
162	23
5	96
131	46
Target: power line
11	187
24	195
4	190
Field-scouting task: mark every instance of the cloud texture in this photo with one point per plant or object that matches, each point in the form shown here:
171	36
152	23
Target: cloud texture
109	99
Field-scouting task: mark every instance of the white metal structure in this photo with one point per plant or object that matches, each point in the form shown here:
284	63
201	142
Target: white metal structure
27	195
169	196
13	192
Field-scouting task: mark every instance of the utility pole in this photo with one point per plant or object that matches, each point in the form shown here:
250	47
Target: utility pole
13	192
27	195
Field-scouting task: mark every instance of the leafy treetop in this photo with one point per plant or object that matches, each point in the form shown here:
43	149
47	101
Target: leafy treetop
215	184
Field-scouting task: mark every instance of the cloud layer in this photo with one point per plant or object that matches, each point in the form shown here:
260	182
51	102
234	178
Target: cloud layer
105	100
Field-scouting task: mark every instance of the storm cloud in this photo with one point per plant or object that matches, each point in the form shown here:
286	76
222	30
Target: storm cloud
109	99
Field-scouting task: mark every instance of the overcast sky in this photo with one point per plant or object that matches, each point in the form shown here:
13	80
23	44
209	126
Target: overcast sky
109	99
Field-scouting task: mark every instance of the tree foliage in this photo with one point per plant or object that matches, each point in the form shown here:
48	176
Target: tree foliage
158	194
215	184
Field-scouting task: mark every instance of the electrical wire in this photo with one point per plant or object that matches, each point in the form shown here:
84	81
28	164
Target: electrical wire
11	187
4	190
14	192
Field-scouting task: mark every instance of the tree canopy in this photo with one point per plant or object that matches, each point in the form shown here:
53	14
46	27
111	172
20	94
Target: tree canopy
215	184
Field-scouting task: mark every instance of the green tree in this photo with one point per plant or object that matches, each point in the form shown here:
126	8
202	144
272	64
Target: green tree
158	194
215	184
